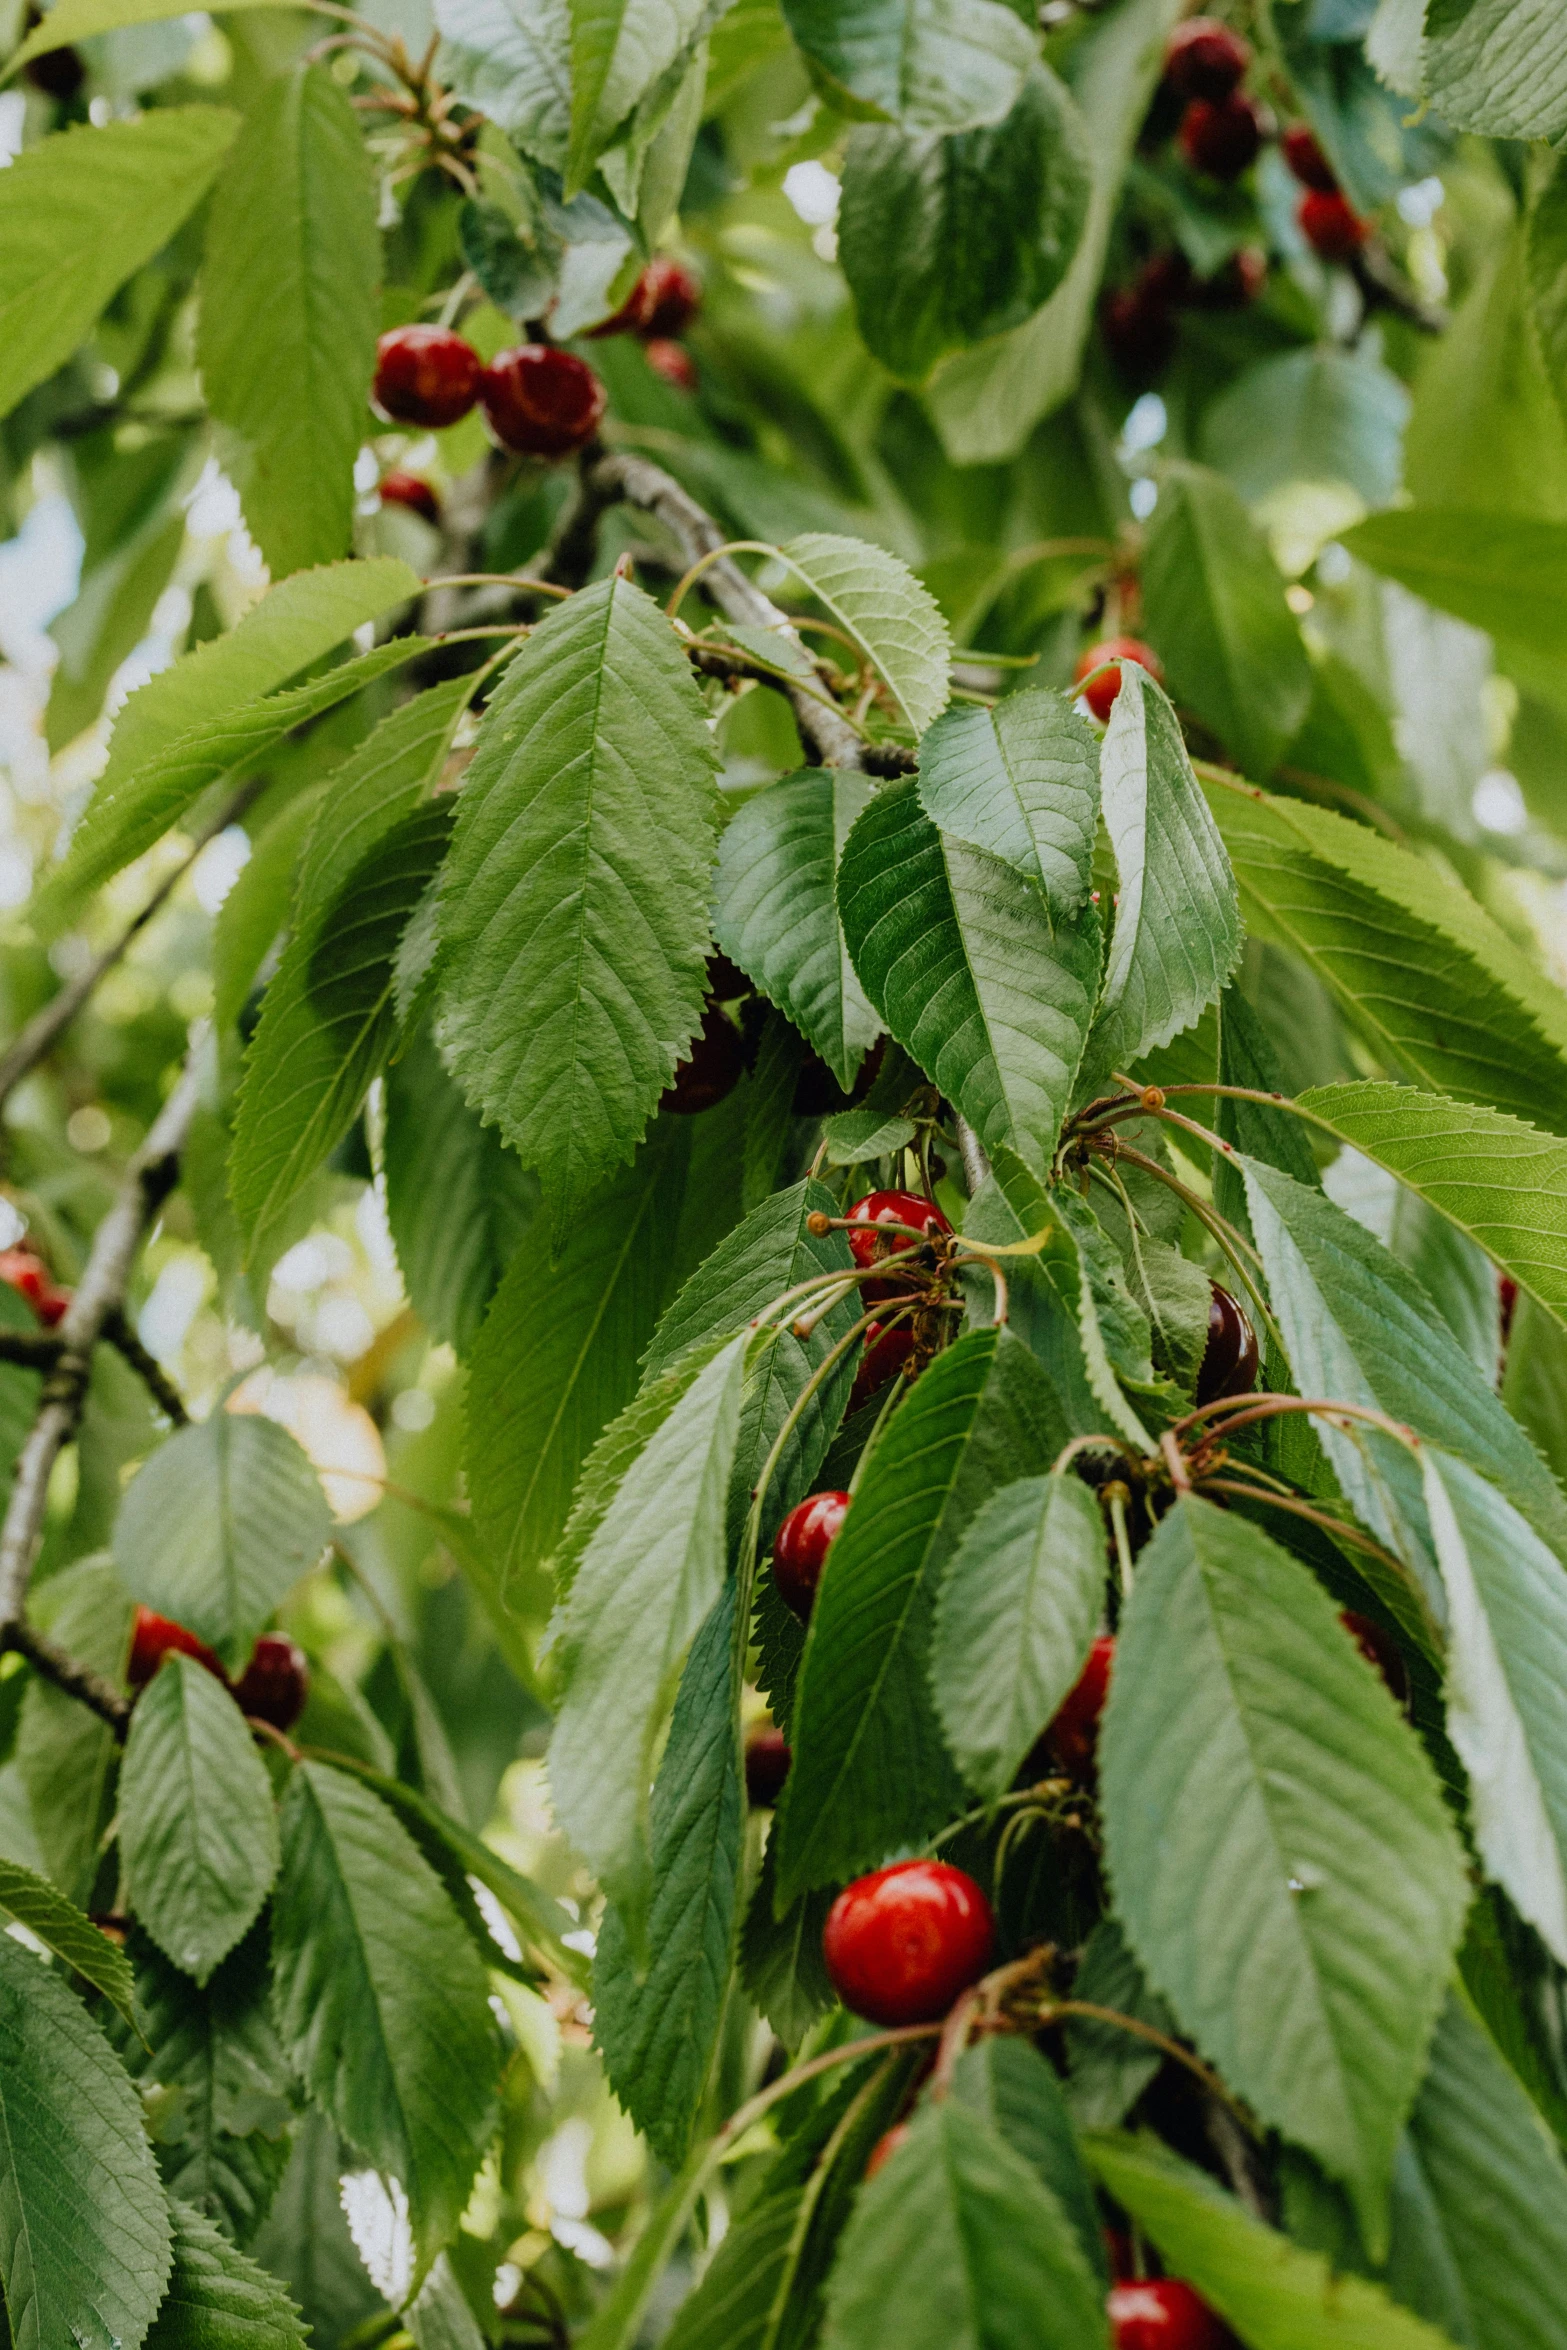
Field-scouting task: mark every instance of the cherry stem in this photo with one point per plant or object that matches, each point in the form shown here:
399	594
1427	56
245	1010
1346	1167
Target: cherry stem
1268	1407
1069	1452
985	1997
1303	1509
687	582
1116	1495
1219	1228
1059	2010
982	1257
511	579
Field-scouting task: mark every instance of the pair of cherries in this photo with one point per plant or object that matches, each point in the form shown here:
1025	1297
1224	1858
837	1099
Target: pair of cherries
1327	220
272	1688
537	401
1222	130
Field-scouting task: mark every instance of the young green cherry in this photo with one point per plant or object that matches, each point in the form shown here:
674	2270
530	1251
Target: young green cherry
276	1682
1229	1362
800	1548
1073	1735
153	1637
902	1944
1164	2313
1100	693
541	402
425	375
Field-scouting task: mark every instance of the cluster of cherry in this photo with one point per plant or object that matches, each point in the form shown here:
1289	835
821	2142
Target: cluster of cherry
537	400
272	1688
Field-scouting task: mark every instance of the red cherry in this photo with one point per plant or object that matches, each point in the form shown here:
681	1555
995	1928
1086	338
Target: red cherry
155	1637
901	1944
868	1244
671	298
1140	333
767	1760
886	1352
1235	286
406	489
274	1685
53	1306
1507	1299
1379	1648
1073	1736
1204	59
1100	695
1229	1361
886	2147
713	1066
1307	161
1166	277
800	1547
1330	225
26	1273
425	375
673	362
541	402
1164	2313
1221	137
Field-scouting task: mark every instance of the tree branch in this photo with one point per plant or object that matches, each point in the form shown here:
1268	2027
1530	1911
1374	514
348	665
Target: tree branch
68	1673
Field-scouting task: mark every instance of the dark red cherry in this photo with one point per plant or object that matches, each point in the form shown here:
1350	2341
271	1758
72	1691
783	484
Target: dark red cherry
673	362
1330	225
1073	1735
800	1548
767	1760
154	1637
1507	1300
870	1243
425	375
671	298
1229	1362
1164	2313
1235	286
1204	59
886	2147
903	1943
713	1066
541	402
1307	161
1140	334
406	489
276	1682
1101	694
26	1273
1221	137
1379	1648
886	1353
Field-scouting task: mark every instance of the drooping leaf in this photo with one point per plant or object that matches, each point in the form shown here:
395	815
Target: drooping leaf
218	2299
1278	1850
781	1962
870	1770
619	48
958	955
219	1524
947	240
1496	66
658	2034
35	1904
306	2240
439	2316
87	208
254	915
1014	2088
289	315
649	1576
1020	781
509	59
1014	1616
67	1756
1459	1280
1177	933
775	914
928	64
84	2228
381	1998
198	1831
891	615
574	900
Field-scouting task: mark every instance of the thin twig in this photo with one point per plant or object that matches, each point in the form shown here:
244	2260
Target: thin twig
68	1673
148	1369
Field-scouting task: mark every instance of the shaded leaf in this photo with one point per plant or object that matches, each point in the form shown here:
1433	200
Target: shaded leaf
929	64
68	1758
218	2299
35	1904
1110	2067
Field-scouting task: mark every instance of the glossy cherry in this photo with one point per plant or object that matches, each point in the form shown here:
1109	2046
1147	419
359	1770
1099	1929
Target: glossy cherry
276	1682
886	1352
1379	1648
1307	161
541	402
1101	693
426	375
1221	137
154	1637
800	1547
1073	1735
1330	225
1229	1361
1164	2313
767	1760
713	1066
406	489
673	362
903	1943
1204	59
870	1243
886	2147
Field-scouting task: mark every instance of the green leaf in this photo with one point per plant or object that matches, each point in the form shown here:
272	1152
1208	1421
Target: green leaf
870	1770
67	1756
1216	614
35	1904
1497	66
289	315
1177	934
1459	1280
648	1578
1316	415
84	2230
1049	1294
1501	572
458	1201
891	615
1485	432
1013	2088
1020	1603
937	65
1545	264
619	49
774	912
1438	990
306	2240
957	953
83	210
948	240
855	1137
219	1524
781	1962
508	58
1279	2297
574	902
1110	2067
556	1357
328	1023
1277	1846
957	2245
657	2035
198	1831
255	912
439	2316
79	20
1020	781
381	1998
218	2299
